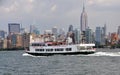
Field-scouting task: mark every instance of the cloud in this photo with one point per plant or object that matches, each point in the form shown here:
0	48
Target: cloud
104	5
31	1
103	2
54	7
13	6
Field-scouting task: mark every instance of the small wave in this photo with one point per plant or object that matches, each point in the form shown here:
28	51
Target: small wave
26	54
105	54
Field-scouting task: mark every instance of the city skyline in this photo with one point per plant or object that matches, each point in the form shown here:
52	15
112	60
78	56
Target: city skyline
46	14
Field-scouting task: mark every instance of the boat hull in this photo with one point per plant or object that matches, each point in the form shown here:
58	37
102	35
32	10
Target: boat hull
68	53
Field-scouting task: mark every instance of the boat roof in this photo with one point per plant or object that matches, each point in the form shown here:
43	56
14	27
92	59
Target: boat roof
87	44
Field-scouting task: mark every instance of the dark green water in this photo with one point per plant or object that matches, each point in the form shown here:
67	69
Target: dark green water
103	62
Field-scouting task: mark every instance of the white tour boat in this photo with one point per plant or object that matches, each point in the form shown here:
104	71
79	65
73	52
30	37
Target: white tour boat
45	49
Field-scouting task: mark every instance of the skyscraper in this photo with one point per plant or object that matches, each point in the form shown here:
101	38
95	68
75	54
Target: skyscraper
2	34
98	35
13	28
77	36
89	35
83	24
70	28
83	21
104	30
118	31
55	31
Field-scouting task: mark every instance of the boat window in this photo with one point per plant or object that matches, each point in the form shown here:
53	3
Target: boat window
39	49
89	47
59	49
49	49
68	49
82	48
38	44
34	44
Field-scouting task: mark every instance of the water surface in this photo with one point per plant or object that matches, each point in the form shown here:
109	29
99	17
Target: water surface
103	62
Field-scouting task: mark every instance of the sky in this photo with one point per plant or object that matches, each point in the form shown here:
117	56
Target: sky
45	14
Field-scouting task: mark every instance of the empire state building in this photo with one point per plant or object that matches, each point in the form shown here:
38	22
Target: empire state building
83	21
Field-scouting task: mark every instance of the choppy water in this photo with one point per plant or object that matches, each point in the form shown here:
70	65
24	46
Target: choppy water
103	62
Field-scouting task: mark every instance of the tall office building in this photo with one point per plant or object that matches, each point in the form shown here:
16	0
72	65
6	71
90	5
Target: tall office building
118	31
70	28
83	21
104	35
2	34
55	31
83	24
105	30
89	35
13	28
98	35
77	36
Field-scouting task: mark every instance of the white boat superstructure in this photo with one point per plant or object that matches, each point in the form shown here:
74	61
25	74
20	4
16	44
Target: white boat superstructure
43	49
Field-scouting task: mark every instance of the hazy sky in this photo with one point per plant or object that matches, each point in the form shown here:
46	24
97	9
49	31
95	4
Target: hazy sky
61	13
